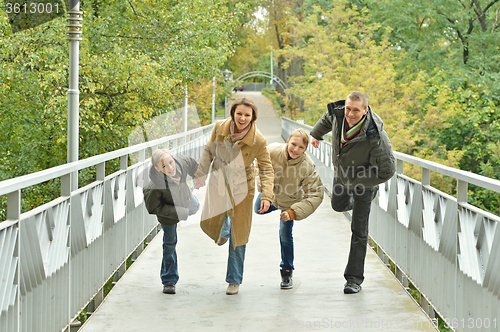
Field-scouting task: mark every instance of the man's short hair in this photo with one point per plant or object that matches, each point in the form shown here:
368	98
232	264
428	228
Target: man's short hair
356	95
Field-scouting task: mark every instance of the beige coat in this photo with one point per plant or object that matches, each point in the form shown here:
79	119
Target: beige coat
297	185
231	185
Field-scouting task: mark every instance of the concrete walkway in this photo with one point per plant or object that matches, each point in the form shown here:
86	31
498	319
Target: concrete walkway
316	302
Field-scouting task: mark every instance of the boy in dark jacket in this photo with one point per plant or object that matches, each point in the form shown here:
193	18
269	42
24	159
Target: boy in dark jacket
168	197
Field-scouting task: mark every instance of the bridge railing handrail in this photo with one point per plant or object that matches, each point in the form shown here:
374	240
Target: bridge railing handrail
11	185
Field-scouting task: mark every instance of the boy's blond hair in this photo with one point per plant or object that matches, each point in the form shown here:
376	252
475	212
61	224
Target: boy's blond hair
158	155
302	134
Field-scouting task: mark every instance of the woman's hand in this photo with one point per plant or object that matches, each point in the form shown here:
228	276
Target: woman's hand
264	205
198	183
315	142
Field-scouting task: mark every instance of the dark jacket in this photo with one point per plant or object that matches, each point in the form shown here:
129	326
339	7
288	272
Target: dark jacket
365	160
166	199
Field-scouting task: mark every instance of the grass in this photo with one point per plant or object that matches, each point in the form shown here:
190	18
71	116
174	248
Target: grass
219	112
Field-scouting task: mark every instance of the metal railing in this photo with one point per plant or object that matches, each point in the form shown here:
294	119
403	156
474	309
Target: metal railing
449	249
56	258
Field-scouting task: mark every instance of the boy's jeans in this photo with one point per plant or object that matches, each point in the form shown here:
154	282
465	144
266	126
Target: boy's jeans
286	238
168	273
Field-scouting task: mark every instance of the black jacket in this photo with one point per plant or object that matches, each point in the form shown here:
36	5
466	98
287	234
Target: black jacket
166	199
365	160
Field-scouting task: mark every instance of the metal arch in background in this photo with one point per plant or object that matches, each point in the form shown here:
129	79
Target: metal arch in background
279	81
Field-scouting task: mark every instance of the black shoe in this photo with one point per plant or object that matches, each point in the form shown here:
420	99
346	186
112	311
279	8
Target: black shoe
286	279
169	289
351	288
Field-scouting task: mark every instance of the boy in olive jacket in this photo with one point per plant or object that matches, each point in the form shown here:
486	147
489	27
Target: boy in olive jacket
298	191
168	197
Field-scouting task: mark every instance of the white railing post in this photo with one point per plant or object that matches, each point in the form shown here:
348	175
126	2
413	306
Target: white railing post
462	194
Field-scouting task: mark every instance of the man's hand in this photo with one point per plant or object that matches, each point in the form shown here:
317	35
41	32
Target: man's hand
315	142
198	183
264	205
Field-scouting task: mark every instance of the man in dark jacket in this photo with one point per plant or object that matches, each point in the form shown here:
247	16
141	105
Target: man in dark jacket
168	197
362	159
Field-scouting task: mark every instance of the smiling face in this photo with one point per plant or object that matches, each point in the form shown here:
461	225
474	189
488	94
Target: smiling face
295	147
167	166
354	111
242	117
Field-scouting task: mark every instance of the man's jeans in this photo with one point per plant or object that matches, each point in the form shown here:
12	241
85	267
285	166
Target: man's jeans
286	238
168	273
236	257
359	201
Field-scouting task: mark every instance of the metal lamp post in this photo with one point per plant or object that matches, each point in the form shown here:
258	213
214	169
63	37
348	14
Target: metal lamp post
73	36
228	76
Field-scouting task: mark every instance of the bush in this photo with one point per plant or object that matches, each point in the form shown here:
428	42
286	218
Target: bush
275	98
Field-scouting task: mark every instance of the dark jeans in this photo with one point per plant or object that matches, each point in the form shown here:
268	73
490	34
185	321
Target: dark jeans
359	201
169	273
286	237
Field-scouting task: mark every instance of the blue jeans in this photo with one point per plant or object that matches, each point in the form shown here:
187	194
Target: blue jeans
236	257
169	274
359	201
286	237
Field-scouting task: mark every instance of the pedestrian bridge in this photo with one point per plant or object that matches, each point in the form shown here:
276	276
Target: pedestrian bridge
56	258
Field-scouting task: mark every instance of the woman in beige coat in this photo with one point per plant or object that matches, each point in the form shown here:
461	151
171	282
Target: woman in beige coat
230	153
298	192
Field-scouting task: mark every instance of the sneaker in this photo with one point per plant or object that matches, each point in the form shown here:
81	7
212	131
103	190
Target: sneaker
286	279
221	240
232	289
169	289
351	288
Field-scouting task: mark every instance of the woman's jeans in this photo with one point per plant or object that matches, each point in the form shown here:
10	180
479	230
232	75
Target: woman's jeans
236	257
286	238
359	201
169	274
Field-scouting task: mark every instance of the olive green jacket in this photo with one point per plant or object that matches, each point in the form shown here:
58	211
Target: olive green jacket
297	185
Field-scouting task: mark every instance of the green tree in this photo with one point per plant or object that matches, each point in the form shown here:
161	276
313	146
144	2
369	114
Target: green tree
135	62
340	55
459	36
136	58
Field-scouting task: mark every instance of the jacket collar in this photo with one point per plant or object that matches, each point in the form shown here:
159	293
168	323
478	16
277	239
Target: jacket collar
249	139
